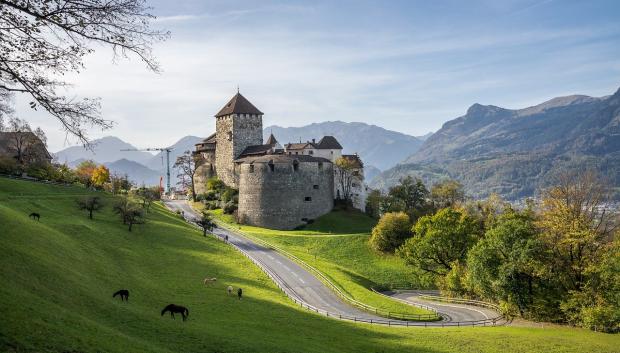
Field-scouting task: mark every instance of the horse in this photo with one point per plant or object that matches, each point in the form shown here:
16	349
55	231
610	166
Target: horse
209	280
34	215
239	293
230	290
172	308
124	293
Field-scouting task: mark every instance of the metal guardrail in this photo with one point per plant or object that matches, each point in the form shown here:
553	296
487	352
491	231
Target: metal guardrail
471	302
380	312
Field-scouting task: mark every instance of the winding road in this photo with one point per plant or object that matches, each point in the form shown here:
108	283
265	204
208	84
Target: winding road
300	284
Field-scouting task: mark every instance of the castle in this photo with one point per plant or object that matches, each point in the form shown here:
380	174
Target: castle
280	187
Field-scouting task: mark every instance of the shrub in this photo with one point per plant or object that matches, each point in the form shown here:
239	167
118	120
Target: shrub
211	205
229	194
230	207
8	165
391	231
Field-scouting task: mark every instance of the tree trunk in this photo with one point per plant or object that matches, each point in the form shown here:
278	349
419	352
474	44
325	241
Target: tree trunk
130	224
90	214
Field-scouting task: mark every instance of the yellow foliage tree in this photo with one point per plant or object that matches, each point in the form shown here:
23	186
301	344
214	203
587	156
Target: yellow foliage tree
100	176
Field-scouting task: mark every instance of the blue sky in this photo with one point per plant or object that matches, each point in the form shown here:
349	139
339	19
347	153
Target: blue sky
408	66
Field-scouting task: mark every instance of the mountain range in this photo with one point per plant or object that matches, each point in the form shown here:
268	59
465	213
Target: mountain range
515	152
379	148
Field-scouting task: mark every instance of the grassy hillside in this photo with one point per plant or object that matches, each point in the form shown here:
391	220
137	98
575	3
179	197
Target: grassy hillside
58	276
336	244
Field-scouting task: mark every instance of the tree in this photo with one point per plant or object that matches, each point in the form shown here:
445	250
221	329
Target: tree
343	170
120	183
506	264
576	225
129	212
100	176
186	166
390	232
373	203
206	223
85	170
147	196
90	204
439	240
41	41
447	193
412	195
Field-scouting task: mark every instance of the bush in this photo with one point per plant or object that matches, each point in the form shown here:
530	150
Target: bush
211	205
391	232
8	165
215	184
230	207
209	195
229	195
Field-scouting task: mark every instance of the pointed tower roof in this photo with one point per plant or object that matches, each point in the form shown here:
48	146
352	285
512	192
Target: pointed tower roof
238	105
271	140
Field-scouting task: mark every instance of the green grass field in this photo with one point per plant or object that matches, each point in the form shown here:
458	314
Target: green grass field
344	257
58	276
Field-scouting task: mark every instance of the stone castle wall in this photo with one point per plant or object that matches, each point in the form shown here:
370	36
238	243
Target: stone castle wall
278	199
234	133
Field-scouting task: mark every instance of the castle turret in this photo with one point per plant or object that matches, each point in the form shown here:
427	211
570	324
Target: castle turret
239	124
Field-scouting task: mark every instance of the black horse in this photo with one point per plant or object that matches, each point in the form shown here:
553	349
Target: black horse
34	215
124	293
172	308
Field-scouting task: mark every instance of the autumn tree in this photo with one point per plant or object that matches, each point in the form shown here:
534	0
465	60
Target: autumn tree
100	176
390	232
186	166
576	224
85	170
42	41
90	204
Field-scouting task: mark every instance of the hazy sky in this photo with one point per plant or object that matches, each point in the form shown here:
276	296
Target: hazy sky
408	66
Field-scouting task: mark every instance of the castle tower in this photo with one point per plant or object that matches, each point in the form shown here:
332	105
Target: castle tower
239	125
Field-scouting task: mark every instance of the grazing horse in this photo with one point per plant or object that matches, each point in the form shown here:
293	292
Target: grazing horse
172	308
34	215
124	293
209	280
239	293
229	289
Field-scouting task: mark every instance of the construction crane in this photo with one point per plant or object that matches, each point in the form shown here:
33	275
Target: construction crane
165	149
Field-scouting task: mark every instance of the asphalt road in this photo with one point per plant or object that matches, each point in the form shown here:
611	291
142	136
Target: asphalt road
453	312
300	283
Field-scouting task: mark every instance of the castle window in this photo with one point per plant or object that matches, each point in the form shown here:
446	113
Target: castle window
307	198
315	187
229	135
251	168
296	152
295	166
310	152
272	167
320	165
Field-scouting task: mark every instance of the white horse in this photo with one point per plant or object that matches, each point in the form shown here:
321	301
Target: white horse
230	290
209	280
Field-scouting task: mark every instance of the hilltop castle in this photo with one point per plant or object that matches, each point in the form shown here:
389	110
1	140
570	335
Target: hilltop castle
279	187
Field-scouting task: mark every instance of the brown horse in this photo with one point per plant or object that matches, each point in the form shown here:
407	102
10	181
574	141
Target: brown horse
172	308
124	293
